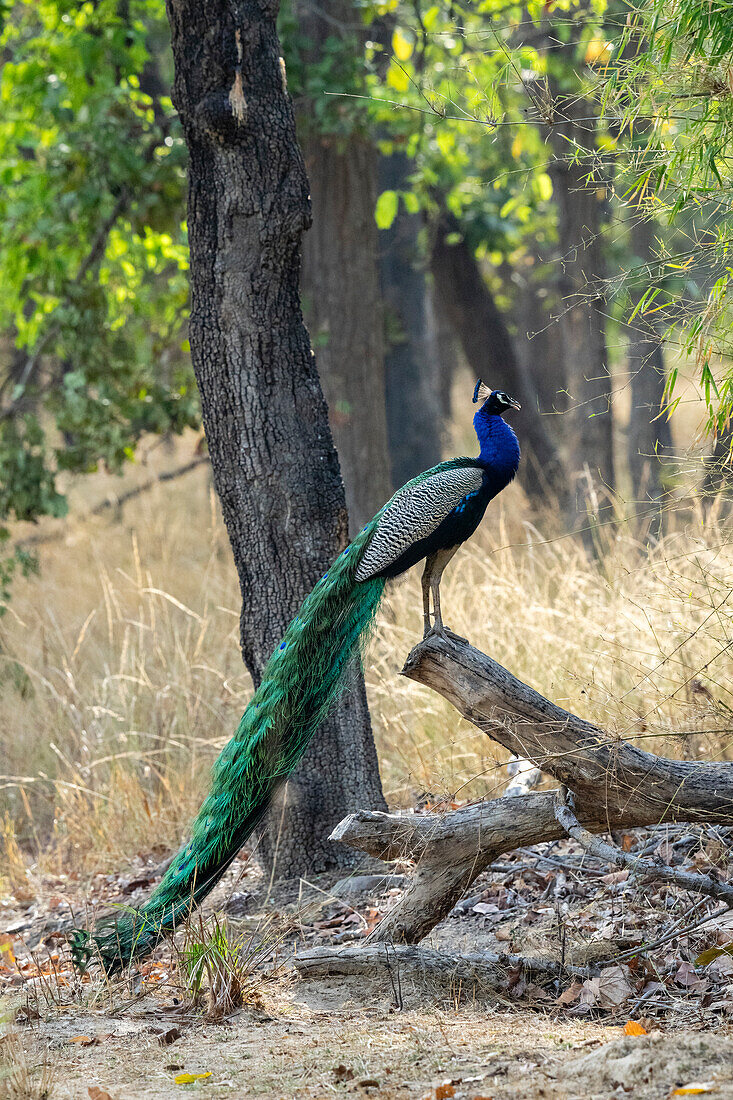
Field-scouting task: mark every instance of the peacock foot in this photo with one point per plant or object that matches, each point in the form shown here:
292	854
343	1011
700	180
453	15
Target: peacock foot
442	632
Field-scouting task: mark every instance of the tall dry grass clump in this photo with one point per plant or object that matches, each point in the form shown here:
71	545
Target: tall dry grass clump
121	678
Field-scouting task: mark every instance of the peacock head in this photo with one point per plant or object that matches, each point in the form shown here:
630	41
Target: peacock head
494	401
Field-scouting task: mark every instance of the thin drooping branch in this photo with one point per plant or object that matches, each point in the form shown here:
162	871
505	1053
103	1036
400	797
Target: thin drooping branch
644	868
616	783
117	501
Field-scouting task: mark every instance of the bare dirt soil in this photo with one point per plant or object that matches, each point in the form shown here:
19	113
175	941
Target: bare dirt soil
332	1040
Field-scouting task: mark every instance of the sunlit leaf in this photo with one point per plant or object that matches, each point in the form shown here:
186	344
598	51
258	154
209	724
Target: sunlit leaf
401	46
385	211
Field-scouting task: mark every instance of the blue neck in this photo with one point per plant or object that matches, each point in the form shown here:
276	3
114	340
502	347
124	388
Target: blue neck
499	445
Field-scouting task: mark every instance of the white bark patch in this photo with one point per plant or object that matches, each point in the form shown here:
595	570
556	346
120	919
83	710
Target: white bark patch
237	102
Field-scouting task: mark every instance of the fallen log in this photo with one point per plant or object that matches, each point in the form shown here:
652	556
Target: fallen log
486	969
615	783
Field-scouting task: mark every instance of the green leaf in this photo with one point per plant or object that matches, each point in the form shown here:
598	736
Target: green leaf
386	209
711	954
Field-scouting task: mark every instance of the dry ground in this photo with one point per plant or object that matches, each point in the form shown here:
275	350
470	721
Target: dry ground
323	1040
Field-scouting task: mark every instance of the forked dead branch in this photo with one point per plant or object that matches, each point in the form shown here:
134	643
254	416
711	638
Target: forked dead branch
615	784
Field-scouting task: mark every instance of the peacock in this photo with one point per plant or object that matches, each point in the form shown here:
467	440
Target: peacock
427	519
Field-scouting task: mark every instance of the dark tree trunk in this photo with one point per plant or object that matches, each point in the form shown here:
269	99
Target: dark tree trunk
444	350
488	347
580	207
344	311
539	340
412	383
650	436
341	289
274	464
718	469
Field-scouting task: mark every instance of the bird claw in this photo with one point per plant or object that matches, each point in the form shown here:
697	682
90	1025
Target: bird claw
447	636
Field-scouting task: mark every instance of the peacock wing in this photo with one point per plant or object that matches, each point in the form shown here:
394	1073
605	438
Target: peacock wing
413	513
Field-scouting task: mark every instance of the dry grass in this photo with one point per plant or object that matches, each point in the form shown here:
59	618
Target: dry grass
21	1076
120	673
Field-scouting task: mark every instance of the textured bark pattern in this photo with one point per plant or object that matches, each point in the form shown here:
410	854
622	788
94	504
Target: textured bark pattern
615	784
274	464
488	347
486	970
415	378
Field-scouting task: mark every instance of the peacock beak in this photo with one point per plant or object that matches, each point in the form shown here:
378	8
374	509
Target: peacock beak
514	404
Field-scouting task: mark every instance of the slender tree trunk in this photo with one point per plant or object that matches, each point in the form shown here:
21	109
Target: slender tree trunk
412	384
444	350
489	349
580	207
341	288
344	310
539	339
273	460
650	435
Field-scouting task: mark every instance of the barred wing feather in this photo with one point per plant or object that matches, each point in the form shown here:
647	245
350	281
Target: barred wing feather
413	513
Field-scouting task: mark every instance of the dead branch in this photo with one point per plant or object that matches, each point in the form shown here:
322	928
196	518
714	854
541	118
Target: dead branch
617	785
117	500
646	868
485	969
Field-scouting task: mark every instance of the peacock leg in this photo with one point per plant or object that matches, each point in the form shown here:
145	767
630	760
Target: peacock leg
426	595
434	570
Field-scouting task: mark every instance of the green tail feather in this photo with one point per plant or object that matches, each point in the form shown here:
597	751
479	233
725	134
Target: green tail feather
299	685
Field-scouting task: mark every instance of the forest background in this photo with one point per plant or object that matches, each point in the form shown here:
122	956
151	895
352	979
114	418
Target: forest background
539	195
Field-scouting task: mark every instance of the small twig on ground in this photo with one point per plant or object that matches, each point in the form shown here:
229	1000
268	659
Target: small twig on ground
646	868
675	933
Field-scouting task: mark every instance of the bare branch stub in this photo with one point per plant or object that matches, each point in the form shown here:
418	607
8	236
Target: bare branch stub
617	785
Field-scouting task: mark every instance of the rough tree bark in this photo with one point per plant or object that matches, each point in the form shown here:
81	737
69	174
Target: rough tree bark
615	784
488	347
341	288
414	393
274	464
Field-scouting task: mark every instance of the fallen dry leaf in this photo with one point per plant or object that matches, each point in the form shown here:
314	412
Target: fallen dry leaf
83	1040
695	1088
343	1073
189	1078
613	987
95	1093
444	1091
711	954
167	1037
7	955
633	1027
571	994
687	977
